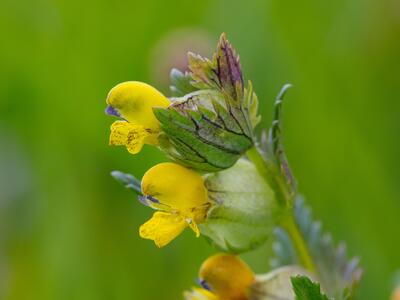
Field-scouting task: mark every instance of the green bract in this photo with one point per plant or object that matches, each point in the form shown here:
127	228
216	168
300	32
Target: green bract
211	127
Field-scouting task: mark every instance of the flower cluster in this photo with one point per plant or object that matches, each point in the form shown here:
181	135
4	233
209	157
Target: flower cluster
222	182
204	129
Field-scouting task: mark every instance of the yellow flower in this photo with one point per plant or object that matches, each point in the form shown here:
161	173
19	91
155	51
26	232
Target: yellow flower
199	294
227	276
180	197
134	101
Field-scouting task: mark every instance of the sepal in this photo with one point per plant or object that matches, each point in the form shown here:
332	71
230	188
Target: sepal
276	284
244	211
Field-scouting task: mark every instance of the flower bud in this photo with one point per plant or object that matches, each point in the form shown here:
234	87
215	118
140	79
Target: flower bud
227	277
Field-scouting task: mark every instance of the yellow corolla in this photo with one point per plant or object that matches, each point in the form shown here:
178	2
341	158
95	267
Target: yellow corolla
133	101
226	276
180	198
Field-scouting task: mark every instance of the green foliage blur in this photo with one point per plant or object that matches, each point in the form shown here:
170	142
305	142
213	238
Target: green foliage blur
69	231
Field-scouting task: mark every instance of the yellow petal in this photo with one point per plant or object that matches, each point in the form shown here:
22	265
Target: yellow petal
178	187
131	136
162	228
199	294
135	100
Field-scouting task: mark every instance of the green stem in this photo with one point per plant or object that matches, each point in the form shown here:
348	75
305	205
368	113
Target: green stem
272	176
299	243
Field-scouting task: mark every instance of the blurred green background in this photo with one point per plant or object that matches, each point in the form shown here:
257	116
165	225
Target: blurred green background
69	231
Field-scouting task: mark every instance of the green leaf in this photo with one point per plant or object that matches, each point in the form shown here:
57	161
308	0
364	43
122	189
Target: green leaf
180	83
305	289
202	71
251	105
338	275
272	144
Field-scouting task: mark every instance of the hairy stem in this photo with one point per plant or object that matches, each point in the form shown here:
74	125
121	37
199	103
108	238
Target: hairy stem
272	176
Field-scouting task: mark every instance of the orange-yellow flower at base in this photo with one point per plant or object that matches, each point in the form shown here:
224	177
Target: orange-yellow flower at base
227	276
396	294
